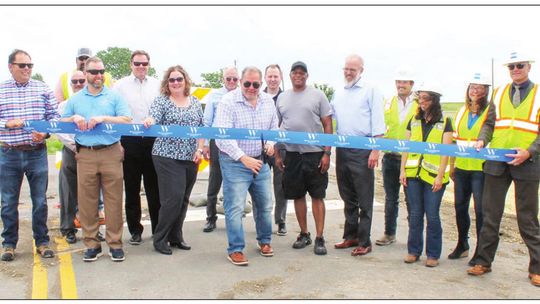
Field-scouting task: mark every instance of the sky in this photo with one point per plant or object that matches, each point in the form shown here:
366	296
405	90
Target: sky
445	44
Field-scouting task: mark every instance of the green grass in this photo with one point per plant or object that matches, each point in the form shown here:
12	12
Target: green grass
450	108
54	144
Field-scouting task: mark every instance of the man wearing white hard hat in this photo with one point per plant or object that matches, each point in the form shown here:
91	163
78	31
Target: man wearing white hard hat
512	123
467	173
425	176
397	113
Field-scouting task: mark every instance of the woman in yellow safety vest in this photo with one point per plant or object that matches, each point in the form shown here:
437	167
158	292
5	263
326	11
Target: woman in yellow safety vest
425	176
467	173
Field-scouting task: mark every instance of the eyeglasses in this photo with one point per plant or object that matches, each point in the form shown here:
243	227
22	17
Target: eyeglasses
83	58
231	79
80	81
519	66
248	84
177	79
135	63
24	65
477	88
95	72
425	97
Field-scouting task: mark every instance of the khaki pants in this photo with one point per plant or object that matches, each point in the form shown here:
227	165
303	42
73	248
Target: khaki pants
100	169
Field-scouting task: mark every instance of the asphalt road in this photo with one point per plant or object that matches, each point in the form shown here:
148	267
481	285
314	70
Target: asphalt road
205	273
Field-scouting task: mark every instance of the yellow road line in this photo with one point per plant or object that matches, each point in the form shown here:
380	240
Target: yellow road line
39	278
67	275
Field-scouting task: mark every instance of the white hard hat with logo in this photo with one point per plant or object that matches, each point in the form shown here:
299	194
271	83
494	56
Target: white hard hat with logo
430	86
404	73
517	57
480	78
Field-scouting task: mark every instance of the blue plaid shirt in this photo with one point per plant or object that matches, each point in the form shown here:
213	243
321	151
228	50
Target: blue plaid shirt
33	100
234	111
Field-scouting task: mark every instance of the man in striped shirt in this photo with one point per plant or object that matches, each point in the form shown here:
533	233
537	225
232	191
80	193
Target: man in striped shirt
24	152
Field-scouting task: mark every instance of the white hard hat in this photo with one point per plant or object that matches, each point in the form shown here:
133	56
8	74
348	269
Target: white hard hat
430	86
404	73
480	78
517	57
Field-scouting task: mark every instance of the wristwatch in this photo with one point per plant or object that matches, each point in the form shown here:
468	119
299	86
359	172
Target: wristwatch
328	152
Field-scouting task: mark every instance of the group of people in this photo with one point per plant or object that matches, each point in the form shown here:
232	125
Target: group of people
104	166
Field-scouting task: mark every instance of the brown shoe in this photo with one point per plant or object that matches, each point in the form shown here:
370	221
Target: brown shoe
346	244
238	258
361	250
266	250
386	240
409	259
535	279
478	270
431	262
44	251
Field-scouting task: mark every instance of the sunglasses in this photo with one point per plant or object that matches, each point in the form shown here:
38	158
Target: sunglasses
231	79
83	58
519	66
95	72
24	65
80	81
136	63
248	84
177	79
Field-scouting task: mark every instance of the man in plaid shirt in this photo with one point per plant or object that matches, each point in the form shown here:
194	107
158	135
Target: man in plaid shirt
24	152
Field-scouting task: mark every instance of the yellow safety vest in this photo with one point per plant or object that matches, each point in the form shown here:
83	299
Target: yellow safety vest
464	136
515	127
66	86
426	166
395	129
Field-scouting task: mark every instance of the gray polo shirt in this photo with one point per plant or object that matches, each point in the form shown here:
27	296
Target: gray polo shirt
302	112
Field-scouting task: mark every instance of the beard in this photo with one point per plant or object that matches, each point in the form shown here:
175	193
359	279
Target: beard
349	84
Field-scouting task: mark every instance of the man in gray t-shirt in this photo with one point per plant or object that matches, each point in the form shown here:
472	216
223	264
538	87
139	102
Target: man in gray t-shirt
305	109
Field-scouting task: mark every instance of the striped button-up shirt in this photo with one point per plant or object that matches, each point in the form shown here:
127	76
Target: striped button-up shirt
33	100
234	111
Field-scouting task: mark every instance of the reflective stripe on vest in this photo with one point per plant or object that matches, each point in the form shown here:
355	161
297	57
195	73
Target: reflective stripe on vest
426	166
467	137
394	128
515	127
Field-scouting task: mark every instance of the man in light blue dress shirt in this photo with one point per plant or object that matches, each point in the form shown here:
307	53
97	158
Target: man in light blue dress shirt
358	109
210	150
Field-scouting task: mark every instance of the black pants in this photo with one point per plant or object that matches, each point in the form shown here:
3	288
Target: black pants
214	182
356	184
176	179
280	207
493	199
138	164
67	180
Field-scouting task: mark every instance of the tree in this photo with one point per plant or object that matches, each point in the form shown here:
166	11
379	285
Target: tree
117	62
212	80
37	76
327	90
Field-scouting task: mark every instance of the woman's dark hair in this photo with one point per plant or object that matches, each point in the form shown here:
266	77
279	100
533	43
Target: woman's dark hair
435	111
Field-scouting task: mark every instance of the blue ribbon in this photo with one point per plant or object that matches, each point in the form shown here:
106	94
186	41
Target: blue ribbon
318	139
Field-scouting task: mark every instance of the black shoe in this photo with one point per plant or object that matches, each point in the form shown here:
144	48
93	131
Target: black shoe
92	254
210	226
302	240
163	249
461	251
135	239
319	247
100	237
181	245
71	238
282	229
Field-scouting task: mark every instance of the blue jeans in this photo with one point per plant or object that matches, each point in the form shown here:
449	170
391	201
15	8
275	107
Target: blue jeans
237	181
423	201
14	164
390	170
465	184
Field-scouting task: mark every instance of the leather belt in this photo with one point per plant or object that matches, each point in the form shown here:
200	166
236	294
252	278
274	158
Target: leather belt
96	147
24	147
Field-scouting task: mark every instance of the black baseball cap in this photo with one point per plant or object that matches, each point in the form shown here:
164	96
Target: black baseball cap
299	64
